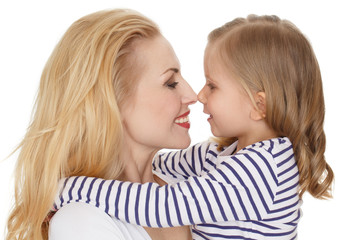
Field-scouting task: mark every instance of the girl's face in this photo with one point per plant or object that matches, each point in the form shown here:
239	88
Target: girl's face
227	103
156	116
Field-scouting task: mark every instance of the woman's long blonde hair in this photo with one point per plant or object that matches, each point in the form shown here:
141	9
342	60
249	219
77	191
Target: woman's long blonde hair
76	126
267	54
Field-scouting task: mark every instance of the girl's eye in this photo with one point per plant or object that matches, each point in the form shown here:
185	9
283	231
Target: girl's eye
172	85
211	86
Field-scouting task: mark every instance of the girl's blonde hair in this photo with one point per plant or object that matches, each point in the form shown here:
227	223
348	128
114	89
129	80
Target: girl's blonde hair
266	54
76	126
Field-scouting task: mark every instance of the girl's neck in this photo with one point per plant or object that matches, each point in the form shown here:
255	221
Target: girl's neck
260	133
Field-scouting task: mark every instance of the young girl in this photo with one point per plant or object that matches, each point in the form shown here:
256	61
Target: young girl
264	95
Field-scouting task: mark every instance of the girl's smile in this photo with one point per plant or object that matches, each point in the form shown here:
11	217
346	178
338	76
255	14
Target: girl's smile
210	117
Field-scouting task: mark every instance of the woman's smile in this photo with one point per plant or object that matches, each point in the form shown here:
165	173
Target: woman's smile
183	120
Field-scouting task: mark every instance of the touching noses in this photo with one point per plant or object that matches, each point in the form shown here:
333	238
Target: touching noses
202	96
189	96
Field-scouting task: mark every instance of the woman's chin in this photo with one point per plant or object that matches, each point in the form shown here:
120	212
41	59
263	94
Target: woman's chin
182	143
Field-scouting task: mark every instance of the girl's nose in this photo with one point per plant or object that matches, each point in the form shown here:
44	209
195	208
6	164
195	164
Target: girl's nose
202	96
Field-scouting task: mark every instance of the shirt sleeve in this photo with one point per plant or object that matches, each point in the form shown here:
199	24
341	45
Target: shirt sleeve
83	221
180	165
242	187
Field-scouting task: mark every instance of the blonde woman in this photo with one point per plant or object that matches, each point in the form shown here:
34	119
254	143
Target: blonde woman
111	95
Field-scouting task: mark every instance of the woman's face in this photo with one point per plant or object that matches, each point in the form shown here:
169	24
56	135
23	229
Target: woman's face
156	116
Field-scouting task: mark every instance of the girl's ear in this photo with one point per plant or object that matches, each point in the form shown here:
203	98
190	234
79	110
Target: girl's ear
259	112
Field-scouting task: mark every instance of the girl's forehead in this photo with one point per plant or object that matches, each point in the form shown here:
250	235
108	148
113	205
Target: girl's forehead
213	60
214	50
212	47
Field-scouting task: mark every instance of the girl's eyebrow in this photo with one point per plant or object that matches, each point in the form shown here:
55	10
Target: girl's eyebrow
175	70
208	78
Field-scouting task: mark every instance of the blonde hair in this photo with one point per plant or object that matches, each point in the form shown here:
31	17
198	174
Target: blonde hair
76	127
267	54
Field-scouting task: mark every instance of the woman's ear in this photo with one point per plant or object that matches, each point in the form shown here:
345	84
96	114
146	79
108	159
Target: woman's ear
259	112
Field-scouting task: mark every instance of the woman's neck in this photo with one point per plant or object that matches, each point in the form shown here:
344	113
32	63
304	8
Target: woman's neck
137	162
138	168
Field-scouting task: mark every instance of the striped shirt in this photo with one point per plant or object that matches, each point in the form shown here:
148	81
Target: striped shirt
252	194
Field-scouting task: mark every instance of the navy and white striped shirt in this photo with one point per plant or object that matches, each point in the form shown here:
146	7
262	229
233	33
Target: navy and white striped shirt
252	194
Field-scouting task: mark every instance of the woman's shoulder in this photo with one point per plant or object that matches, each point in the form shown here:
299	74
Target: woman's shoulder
84	221
81	221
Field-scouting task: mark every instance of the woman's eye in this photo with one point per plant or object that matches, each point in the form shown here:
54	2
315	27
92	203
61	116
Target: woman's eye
172	85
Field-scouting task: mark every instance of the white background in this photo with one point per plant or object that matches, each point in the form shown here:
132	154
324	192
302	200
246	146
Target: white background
29	31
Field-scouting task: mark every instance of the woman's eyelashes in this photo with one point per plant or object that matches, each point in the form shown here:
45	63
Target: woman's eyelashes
171	83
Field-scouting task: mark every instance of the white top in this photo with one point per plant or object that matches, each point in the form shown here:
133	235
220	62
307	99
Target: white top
83	221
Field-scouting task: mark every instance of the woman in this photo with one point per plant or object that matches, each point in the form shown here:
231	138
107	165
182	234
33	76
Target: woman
112	89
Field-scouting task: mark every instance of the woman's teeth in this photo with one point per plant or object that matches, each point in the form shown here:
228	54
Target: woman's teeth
182	120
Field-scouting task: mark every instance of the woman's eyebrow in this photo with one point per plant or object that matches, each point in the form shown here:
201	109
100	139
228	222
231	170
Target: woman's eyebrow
176	70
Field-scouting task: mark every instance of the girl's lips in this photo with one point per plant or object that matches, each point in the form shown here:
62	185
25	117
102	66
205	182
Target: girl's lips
207	113
183	120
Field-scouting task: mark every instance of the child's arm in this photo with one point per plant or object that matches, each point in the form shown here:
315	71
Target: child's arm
241	188
180	165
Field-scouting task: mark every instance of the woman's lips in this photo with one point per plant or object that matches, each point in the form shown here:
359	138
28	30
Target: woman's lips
183	120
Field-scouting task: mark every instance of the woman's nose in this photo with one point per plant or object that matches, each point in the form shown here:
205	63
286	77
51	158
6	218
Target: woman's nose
189	96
